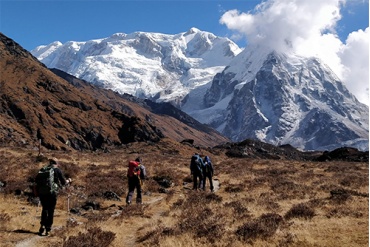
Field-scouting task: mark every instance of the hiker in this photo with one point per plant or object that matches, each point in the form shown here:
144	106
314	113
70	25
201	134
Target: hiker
196	170
134	180
207	173
48	181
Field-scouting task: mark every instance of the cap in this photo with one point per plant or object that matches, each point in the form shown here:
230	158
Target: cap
53	161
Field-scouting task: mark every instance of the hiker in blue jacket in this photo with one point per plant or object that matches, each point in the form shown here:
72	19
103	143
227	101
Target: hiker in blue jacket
196	170
207	173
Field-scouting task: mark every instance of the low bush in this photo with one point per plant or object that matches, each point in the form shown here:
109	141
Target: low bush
263	227
94	237
300	211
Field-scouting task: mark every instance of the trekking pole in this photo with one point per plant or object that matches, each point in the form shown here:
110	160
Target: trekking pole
37	210
68	195
68	204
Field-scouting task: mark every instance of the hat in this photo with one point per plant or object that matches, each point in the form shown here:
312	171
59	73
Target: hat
53	161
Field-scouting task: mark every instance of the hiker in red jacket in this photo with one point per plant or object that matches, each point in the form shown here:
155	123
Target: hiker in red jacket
134	182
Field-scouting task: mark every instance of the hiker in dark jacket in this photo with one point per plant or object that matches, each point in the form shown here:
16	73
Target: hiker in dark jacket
207	173
48	195
196	170
134	181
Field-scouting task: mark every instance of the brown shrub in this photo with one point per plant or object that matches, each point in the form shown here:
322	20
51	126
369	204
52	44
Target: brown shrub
300	211
263	227
150	185
343	211
234	188
238	209
137	210
70	170
94	237
340	195
153	237
198	218
4	219
286	189
268	200
97	183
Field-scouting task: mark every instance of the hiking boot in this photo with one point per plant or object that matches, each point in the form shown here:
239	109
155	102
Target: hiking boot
41	230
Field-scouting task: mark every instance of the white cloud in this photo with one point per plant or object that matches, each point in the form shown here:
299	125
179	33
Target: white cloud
355	59
307	27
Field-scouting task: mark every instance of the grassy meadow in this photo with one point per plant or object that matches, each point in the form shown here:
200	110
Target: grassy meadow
259	202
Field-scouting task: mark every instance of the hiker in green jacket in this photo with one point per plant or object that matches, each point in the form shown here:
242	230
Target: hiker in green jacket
48	181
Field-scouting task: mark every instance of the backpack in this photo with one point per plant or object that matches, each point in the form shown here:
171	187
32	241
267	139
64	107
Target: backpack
133	169
45	181
207	164
195	164
142	171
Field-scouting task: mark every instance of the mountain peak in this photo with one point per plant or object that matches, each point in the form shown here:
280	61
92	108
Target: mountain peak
285	99
192	31
147	65
257	93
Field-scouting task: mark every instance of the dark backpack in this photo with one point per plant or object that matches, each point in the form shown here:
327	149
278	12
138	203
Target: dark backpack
142	172
207	164
45	181
195	164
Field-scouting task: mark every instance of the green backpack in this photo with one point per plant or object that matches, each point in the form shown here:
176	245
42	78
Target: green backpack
45	181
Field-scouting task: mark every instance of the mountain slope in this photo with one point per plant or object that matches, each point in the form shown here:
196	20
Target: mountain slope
147	65
37	105
172	122
260	94
283	99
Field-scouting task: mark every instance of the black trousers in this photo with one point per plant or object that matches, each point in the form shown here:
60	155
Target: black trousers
48	203
209	176
197	177
134	183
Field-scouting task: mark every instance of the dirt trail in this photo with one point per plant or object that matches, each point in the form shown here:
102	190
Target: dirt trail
156	207
29	242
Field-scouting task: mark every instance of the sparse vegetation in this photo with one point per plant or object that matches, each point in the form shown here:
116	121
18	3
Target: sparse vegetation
257	203
94	237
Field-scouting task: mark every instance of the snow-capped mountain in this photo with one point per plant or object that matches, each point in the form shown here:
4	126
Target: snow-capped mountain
283	99
255	93
146	65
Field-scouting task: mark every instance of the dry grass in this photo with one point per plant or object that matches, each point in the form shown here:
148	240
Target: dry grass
259	202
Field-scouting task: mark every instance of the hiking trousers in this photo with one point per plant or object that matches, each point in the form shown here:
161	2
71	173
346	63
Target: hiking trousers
209	176
48	203
196	177
134	183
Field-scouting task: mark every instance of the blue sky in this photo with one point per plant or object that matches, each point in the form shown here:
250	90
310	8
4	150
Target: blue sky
335	31
34	23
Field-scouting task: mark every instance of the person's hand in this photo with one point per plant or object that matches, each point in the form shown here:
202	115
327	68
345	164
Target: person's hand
69	180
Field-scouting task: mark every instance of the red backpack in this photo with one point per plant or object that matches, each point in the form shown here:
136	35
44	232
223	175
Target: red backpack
133	169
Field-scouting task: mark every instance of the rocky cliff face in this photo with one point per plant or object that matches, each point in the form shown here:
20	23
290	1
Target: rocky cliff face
289	100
